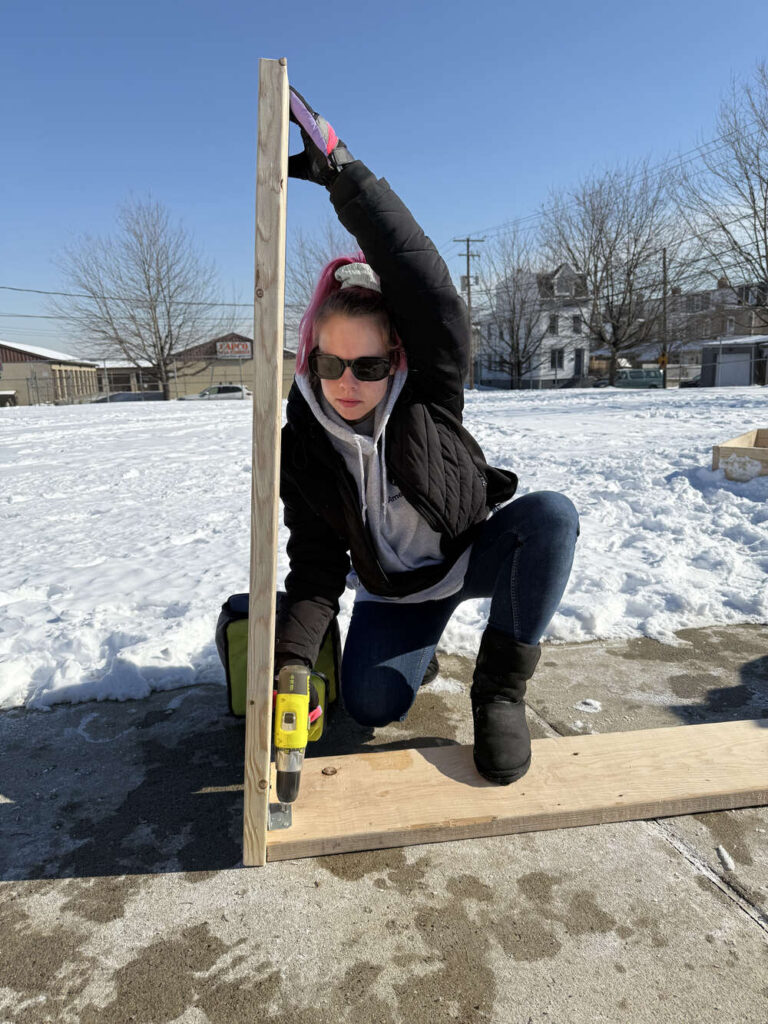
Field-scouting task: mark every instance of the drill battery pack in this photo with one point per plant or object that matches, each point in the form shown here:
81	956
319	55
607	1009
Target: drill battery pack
232	645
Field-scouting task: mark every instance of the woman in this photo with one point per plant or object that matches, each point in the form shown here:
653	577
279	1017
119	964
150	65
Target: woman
377	465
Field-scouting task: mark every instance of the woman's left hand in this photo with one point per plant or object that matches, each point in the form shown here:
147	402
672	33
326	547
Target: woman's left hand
324	153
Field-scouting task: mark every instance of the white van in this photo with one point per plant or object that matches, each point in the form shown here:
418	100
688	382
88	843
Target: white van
639	379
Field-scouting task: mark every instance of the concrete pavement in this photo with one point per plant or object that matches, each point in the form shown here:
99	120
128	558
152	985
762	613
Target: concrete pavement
123	899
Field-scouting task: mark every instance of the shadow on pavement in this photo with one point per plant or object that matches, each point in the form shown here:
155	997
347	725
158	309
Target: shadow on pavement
136	787
748	699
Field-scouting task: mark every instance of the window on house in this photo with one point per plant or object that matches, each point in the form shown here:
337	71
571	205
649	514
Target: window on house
730	325
748	294
553	323
577	324
556	358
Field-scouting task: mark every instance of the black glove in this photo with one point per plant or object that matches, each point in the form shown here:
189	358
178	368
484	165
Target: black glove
281	660
324	153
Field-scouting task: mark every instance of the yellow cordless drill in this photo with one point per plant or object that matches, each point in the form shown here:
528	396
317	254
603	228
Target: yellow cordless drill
295	724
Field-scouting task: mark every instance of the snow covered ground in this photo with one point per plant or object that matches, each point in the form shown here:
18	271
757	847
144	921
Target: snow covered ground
124	527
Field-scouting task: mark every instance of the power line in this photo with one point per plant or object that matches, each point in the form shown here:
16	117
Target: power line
125	298
679	160
48	316
119	298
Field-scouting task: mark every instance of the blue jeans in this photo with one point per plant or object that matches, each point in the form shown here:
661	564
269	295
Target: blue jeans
521	559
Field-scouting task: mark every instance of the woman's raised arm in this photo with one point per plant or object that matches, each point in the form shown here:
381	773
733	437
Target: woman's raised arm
427	311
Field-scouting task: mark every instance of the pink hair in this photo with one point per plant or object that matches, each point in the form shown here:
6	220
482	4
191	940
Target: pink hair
355	302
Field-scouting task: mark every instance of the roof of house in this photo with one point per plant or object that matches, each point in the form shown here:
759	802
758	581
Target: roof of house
651	349
747	339
45	353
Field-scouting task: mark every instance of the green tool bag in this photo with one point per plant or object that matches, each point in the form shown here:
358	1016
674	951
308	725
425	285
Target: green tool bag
232	645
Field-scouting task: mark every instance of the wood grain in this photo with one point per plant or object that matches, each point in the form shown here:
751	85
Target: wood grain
269	294
406	797
752	445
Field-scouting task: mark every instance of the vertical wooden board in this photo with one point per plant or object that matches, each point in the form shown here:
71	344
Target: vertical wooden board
269	294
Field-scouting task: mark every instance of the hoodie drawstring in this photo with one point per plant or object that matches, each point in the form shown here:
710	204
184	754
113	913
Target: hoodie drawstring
363	488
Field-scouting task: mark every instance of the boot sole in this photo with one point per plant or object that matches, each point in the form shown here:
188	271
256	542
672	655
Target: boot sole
503	778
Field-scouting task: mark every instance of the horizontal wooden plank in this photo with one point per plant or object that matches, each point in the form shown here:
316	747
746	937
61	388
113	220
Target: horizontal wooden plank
385	799
742	441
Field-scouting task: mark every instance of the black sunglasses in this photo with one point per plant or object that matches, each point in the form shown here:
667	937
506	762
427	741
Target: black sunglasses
366	368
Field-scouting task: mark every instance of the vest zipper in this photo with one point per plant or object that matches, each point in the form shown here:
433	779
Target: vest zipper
432	520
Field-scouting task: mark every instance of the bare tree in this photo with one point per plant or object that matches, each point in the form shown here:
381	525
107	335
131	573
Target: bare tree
613	229
724	199
308	253
512	309
144	294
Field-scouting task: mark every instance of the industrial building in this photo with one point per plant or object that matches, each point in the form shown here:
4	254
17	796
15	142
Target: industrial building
224	360
30	375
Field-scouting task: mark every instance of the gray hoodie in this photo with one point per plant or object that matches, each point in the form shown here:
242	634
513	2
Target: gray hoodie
402	538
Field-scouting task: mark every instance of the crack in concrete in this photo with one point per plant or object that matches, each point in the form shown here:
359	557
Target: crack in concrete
730	887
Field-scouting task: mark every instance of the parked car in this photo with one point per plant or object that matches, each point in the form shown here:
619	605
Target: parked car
628	378
639	379
219	391
694	382
130	396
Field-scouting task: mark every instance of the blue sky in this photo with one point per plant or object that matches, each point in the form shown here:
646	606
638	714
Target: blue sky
473	111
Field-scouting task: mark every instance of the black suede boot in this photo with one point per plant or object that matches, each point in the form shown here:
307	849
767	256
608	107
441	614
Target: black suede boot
502	748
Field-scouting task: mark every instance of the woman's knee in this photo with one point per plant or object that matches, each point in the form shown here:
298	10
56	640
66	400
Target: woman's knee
551	511
384	697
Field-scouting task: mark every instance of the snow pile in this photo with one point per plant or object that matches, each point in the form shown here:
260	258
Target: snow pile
125	527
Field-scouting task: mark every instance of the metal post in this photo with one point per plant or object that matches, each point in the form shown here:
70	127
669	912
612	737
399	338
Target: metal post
664	315
468	242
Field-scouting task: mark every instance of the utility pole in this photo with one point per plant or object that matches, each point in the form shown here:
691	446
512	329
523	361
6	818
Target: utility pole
470	255
664	317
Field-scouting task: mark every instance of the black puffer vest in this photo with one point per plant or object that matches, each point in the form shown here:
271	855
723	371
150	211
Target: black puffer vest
430	456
